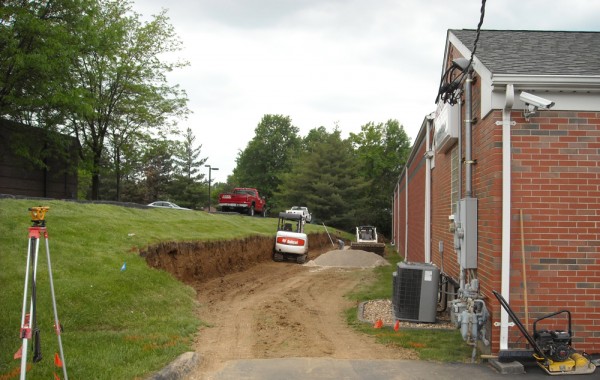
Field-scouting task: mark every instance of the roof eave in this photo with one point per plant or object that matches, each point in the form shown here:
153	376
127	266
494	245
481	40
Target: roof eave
548	82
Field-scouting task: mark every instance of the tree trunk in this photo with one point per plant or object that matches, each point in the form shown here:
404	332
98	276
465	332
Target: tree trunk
96	176
118	173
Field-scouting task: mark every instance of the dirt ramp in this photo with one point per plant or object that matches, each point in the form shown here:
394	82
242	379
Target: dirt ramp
199	261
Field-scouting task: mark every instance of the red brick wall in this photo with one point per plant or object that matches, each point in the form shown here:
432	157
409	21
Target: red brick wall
415	175
441	208
556	182
487	188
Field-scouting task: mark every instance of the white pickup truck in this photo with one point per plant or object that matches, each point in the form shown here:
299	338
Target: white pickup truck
301	211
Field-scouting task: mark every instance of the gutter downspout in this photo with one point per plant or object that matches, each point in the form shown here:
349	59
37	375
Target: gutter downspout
506	204
427	224
460	161
394	215
406	216
397	213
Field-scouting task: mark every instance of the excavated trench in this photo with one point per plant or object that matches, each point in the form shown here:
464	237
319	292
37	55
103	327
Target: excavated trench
199	261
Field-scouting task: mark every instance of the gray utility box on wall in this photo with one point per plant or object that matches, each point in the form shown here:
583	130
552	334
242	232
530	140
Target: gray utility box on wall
415	292
468	240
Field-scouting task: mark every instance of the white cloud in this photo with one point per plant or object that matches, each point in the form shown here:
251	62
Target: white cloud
323	62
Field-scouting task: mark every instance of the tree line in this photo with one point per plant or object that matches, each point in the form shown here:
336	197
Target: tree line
344	182
91	69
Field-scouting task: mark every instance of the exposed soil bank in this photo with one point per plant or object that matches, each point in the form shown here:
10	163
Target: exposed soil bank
199	261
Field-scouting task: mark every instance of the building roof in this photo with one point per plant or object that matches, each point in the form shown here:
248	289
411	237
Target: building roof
528	52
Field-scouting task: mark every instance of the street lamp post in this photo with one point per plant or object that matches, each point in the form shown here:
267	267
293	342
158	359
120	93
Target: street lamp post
210	169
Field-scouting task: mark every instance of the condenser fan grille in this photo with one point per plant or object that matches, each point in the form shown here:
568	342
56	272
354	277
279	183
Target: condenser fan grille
415	287
409	293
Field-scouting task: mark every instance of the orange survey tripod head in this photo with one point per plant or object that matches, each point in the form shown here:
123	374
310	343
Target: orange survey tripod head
38	215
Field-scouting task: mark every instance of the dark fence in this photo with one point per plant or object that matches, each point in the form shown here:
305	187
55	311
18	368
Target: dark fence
37	163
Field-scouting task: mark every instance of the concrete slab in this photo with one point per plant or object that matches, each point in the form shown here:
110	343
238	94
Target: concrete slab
507	368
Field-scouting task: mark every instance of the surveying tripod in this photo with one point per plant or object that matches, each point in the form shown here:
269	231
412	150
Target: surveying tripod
29	328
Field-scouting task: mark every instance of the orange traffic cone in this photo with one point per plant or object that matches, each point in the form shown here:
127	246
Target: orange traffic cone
397	325
378	324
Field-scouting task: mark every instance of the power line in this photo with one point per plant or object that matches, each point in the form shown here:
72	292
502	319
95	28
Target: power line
450	89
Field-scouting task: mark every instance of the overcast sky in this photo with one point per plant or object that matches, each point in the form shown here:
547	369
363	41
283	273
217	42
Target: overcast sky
328	62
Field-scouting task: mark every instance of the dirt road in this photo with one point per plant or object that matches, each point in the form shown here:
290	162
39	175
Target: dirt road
282	310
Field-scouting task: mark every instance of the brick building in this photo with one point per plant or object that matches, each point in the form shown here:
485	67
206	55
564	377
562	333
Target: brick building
530	177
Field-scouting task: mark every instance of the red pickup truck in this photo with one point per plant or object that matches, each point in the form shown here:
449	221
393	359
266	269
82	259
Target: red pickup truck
243	199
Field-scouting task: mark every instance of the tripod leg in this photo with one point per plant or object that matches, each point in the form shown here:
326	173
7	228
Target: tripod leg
57	326
37	354
25	317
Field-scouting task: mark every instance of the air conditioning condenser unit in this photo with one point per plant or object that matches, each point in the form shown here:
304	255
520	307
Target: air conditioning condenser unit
415	292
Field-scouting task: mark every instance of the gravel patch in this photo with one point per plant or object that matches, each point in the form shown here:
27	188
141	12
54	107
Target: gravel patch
371	311
348	259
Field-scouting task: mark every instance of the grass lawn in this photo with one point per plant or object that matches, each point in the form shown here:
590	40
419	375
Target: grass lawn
436	345
117	324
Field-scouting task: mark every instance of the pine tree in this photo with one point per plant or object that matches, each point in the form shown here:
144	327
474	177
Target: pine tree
188	161
325	179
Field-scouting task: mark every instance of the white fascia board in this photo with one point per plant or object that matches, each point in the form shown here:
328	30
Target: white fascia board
484	74
458	44
418	140
589	83
569	93
466	53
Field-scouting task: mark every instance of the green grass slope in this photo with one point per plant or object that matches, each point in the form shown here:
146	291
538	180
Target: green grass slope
118	324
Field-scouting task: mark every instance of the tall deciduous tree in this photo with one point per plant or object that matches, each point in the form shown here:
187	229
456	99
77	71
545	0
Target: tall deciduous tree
120	79
268	155
382	150
38	43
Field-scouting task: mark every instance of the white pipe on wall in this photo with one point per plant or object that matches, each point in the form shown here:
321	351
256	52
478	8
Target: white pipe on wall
406	216
427	224
506	205
398	224
394	242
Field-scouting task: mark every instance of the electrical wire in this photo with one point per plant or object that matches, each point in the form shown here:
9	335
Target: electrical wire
481	16
451	89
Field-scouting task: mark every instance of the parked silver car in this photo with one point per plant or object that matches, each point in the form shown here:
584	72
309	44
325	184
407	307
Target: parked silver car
165	204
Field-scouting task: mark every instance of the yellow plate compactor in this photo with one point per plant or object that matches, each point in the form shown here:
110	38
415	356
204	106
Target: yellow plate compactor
552	348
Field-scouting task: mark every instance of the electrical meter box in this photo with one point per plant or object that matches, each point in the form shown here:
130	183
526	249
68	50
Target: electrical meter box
468	236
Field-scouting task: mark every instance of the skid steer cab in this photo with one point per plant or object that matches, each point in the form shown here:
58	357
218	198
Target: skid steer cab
290	242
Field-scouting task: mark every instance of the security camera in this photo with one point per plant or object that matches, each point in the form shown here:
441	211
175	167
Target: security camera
536	101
